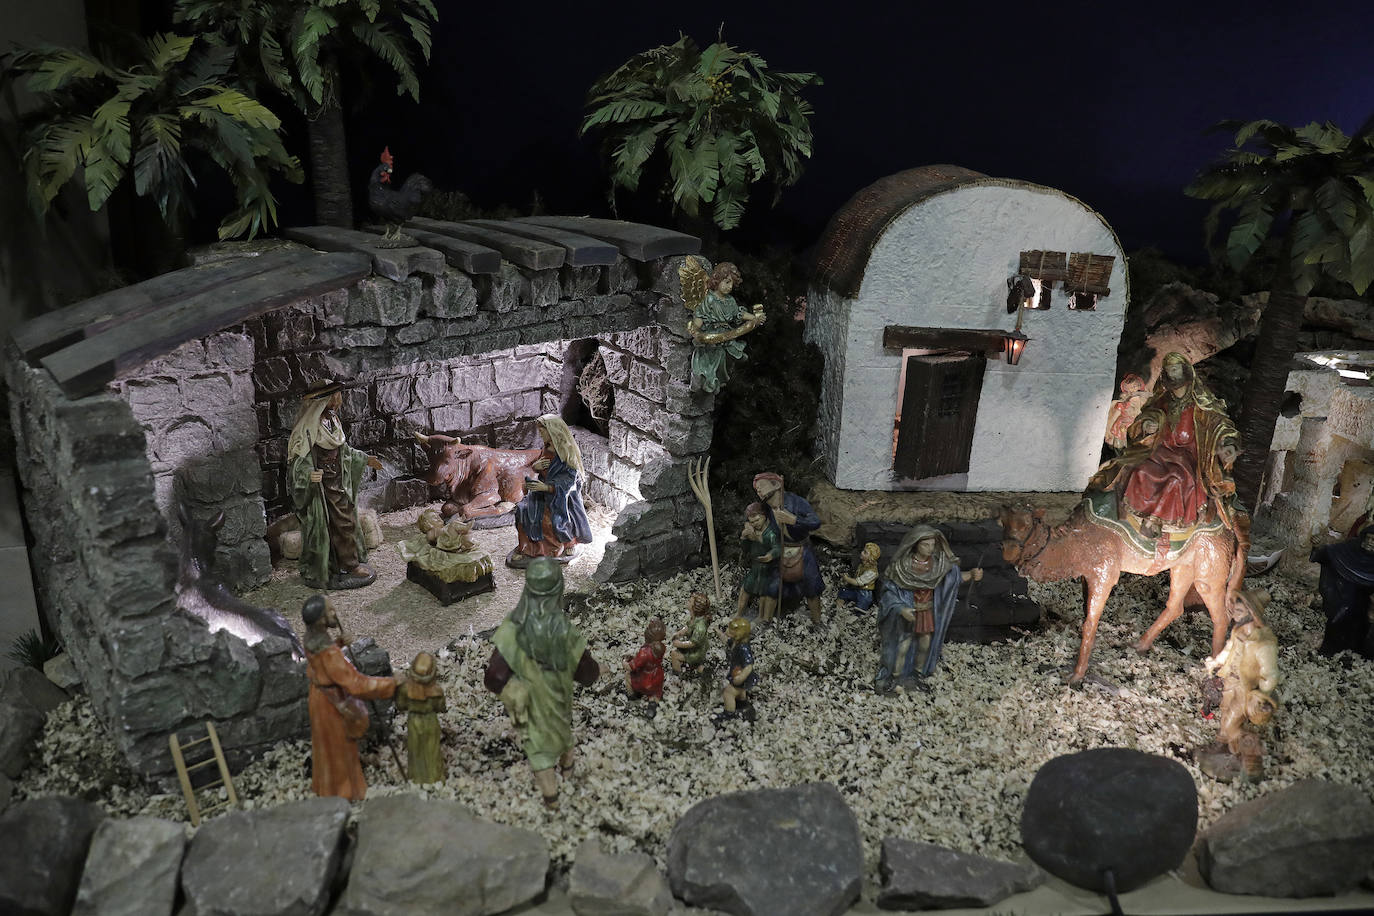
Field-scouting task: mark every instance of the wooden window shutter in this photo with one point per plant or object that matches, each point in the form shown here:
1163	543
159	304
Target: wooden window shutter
939	408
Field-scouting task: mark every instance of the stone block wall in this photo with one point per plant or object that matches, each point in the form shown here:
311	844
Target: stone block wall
106	573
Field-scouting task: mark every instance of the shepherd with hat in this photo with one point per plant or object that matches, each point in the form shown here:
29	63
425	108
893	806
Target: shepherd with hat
324	477
422	700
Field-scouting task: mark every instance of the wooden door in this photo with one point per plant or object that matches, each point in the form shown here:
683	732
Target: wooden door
939	407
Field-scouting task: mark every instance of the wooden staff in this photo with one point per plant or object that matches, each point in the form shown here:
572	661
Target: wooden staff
697	476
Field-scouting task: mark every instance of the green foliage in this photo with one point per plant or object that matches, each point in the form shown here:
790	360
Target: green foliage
1313	185
720	116
141	113
766	412
32	650
299	47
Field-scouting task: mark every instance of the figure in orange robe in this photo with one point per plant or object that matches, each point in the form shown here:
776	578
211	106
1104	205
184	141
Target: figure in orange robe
335	683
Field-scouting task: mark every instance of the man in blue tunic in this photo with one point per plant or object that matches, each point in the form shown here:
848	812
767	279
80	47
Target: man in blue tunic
915	604
796	574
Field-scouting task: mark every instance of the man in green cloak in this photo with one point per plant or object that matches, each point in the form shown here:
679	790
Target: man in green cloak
539	654
324	476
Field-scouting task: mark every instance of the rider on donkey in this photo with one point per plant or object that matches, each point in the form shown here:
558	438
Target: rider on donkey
1178	458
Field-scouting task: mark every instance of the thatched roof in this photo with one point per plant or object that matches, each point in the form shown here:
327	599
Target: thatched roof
844	247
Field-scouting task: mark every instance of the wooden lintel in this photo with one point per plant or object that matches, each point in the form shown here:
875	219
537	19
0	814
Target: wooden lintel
901	337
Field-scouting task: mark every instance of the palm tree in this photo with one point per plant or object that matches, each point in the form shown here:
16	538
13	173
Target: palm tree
1313	187
725	121
301	48
102	115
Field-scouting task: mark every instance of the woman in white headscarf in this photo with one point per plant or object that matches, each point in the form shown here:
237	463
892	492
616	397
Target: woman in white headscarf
550	521
915	604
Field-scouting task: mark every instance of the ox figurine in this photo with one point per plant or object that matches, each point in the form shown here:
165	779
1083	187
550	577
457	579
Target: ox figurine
204	595
476	481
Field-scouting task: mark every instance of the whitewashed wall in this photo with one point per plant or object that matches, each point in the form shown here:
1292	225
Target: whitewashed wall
945	263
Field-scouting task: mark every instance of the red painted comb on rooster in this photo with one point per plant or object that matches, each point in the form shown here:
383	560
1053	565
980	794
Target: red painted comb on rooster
393	207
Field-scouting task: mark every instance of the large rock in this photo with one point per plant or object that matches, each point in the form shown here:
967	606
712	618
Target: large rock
43	845
1109	808
132	868
791	852
1312	838
20	726
280	860
922	876
34	686
417	857
627	884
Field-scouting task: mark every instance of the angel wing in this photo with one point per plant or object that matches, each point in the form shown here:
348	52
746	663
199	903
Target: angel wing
693	275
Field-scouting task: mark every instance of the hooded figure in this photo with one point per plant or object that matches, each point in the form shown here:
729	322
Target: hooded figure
915	603
1174	463
324	476
538	656
551	520
422	700
1346	585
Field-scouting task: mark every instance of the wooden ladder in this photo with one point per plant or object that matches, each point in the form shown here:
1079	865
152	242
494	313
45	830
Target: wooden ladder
184	773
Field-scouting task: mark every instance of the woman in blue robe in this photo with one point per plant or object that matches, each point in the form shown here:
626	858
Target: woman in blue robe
550	521
915	604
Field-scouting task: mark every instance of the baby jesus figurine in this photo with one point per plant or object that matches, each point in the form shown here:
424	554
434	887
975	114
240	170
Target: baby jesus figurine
445	559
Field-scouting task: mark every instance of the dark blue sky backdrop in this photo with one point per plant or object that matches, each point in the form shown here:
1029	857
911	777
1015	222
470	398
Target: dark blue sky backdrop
1109	104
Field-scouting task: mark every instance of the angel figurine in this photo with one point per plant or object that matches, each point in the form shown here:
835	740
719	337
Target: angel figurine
717	321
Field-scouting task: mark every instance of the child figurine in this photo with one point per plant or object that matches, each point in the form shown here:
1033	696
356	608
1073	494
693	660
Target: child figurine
423	699
1125	409
740	677
761	541
644	672
691	642
858	588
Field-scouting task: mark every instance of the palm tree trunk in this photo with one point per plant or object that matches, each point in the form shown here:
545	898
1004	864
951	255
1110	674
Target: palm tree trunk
329	166
1278	340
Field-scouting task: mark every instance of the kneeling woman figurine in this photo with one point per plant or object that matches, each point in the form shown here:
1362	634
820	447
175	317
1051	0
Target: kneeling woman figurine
551	521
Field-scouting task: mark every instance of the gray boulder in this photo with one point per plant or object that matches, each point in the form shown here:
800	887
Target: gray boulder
419	856
132	868
791	852
279	860
923	876
34	686
25	701
1109	808
60	670
43	845
624	884
1312	838
6	791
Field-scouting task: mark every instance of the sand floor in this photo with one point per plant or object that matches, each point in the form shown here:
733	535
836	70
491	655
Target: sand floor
405	618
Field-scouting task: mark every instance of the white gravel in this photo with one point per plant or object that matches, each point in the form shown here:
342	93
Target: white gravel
950	766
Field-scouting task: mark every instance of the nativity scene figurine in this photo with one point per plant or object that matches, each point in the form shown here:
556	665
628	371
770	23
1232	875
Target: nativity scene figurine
551	520
325	473
717	321
915	605
1249	671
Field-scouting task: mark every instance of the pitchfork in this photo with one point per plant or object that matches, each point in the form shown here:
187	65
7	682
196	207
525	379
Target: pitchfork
697	470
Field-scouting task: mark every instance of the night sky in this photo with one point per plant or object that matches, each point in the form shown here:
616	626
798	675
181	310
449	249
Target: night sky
1109	104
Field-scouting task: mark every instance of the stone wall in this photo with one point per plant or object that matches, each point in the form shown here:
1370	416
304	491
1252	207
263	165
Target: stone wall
207	425
106	576
1327	425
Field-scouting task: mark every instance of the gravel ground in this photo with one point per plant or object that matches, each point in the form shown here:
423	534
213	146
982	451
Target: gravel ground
949	766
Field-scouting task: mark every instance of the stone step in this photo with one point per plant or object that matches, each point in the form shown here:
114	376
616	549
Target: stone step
635	240
392	263
519	250
84	367
581	250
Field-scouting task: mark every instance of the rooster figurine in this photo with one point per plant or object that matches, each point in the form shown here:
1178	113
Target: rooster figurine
394	207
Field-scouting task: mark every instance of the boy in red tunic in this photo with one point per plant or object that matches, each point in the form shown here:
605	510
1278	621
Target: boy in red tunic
644	672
